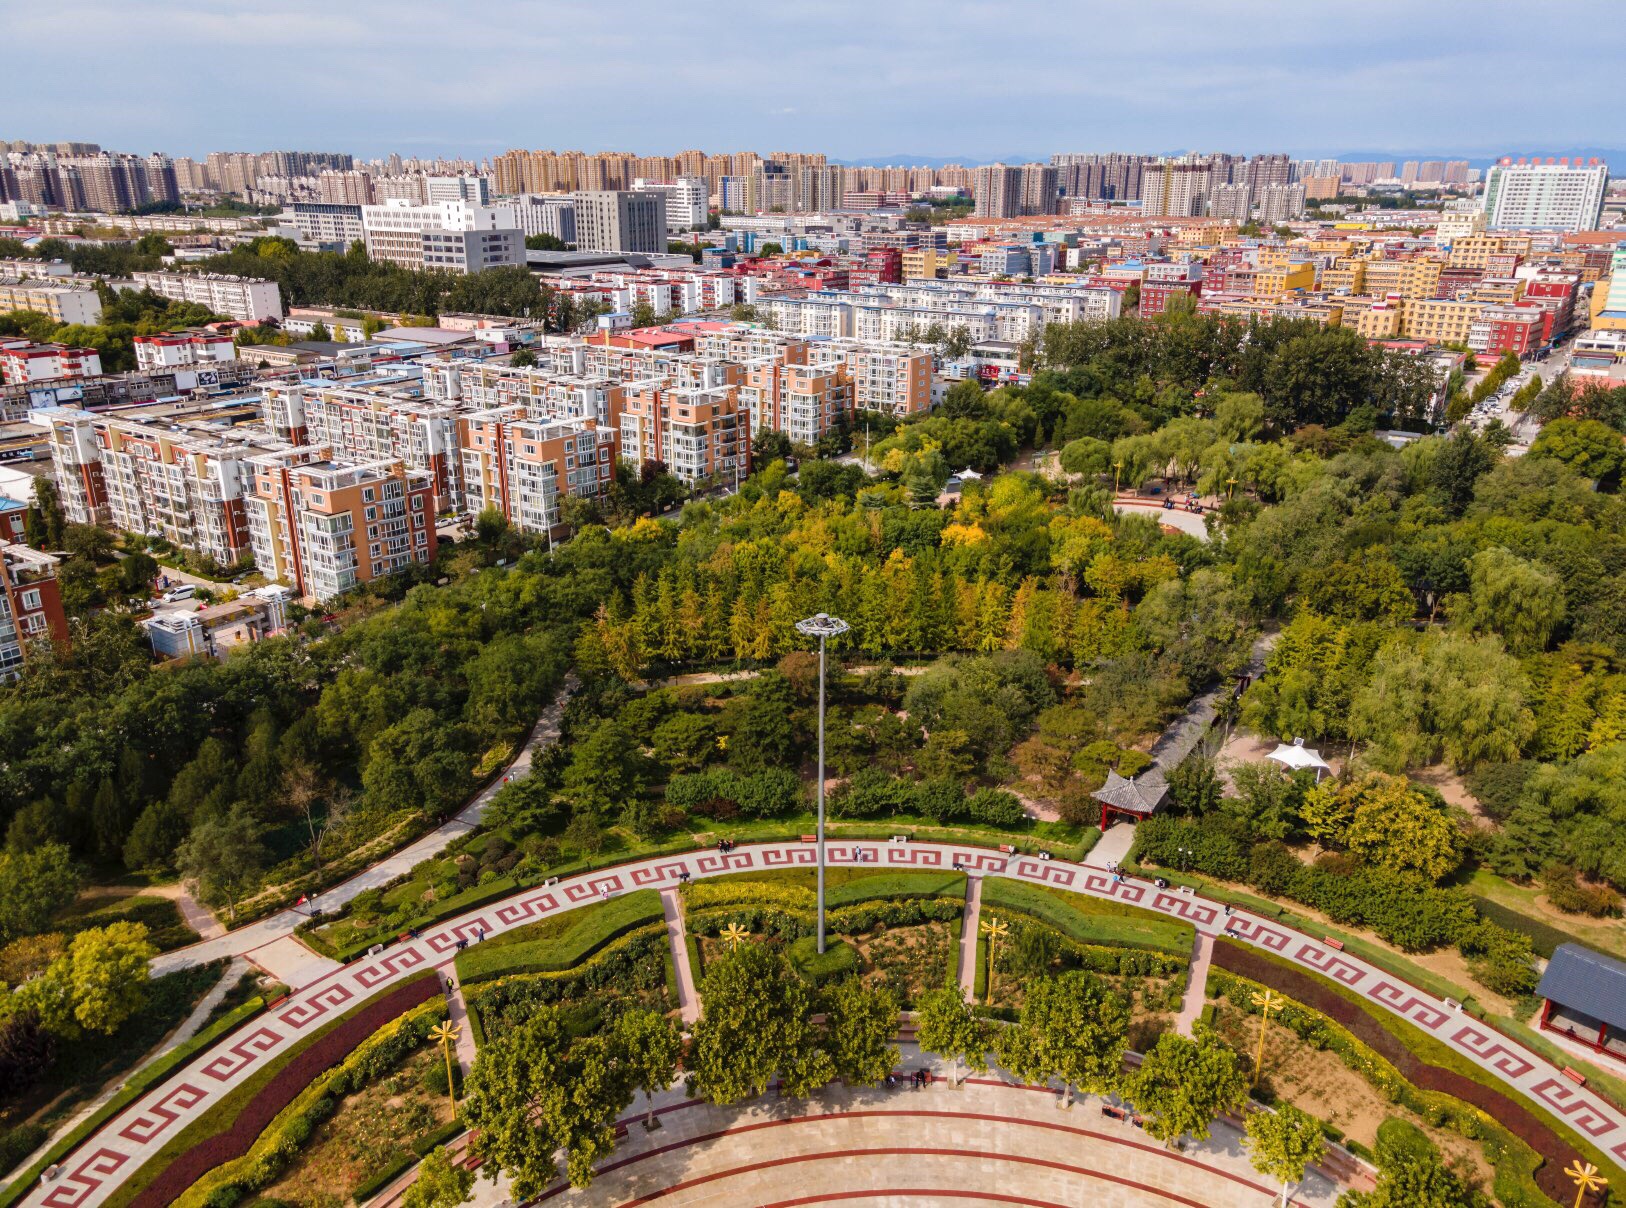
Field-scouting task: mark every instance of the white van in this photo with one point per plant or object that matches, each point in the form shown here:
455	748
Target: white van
184	592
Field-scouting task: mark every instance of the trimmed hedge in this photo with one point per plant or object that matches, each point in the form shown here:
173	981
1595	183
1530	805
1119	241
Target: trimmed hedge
234	1124
1544	936
277	1147
166	928
1409	1067
1091	921
560	943
839	959
632	965
1404	910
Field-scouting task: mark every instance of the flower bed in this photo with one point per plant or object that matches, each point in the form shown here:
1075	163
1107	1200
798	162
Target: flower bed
228	1130
1555	1150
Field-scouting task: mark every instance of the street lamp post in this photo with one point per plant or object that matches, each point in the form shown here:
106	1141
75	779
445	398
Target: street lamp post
821	626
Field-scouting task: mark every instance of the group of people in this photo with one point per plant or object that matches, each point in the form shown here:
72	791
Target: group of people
918	1079
725	846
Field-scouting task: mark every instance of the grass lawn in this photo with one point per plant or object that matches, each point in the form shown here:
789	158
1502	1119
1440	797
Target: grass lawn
561	942
1089	920
165	927
1524	909
847	886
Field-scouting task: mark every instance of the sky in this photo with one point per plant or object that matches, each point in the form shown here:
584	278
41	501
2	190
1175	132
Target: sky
861	80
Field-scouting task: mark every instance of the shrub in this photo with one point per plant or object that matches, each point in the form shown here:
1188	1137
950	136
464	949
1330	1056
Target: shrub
994	807
1565	891
17	1143
838	960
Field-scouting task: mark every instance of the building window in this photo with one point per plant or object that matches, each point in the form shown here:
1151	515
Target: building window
31	600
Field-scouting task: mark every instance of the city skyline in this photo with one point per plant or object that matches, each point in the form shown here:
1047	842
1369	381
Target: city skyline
1390	80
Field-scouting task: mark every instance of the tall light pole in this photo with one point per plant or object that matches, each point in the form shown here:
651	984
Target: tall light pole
822	626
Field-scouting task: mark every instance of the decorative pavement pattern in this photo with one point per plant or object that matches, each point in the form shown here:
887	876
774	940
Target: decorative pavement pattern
102	1163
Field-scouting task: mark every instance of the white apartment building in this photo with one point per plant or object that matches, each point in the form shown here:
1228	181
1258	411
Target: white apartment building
246	299
172	348
687	200
543	215
64	303
329	222
455	235
1561	196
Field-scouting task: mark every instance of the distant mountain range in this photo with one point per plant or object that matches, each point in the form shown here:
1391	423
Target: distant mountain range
1615	157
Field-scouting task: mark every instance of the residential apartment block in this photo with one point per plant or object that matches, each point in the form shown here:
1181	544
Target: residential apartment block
22	361
30	605
64	303
525	467
324	528
172	348
246	299
1555	194
699	432
155	477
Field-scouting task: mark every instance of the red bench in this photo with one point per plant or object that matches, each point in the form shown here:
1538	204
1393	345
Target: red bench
1337	945
1007	848
1574	1075
810	838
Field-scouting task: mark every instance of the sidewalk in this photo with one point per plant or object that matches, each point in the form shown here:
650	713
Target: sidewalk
1191	1006
688	999
968	938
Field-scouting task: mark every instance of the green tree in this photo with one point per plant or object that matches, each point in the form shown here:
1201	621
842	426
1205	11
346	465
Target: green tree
535	1092
755	1021
1442	693
684	741
441	1183
1072	1027
96	985
1515	598
606	768
224	857
34	886
319	332
650	1047
1589	447
860	1022
948	1027
523	359
1394	826
1183	1085
1283	1144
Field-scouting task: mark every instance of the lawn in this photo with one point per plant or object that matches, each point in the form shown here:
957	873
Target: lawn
1524	909
561	942
843	886
1089	920
165	927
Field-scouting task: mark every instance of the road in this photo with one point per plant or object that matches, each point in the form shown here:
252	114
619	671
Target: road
1524	428
93	1172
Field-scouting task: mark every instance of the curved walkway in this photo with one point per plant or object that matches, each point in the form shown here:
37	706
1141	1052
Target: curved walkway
989	1139
271	943
1187	522
119	1148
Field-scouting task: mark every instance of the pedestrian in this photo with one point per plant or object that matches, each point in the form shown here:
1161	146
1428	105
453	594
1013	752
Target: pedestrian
479	934
604	892
462	944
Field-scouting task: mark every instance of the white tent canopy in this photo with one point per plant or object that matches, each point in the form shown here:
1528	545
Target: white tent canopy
968	474
1296	755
